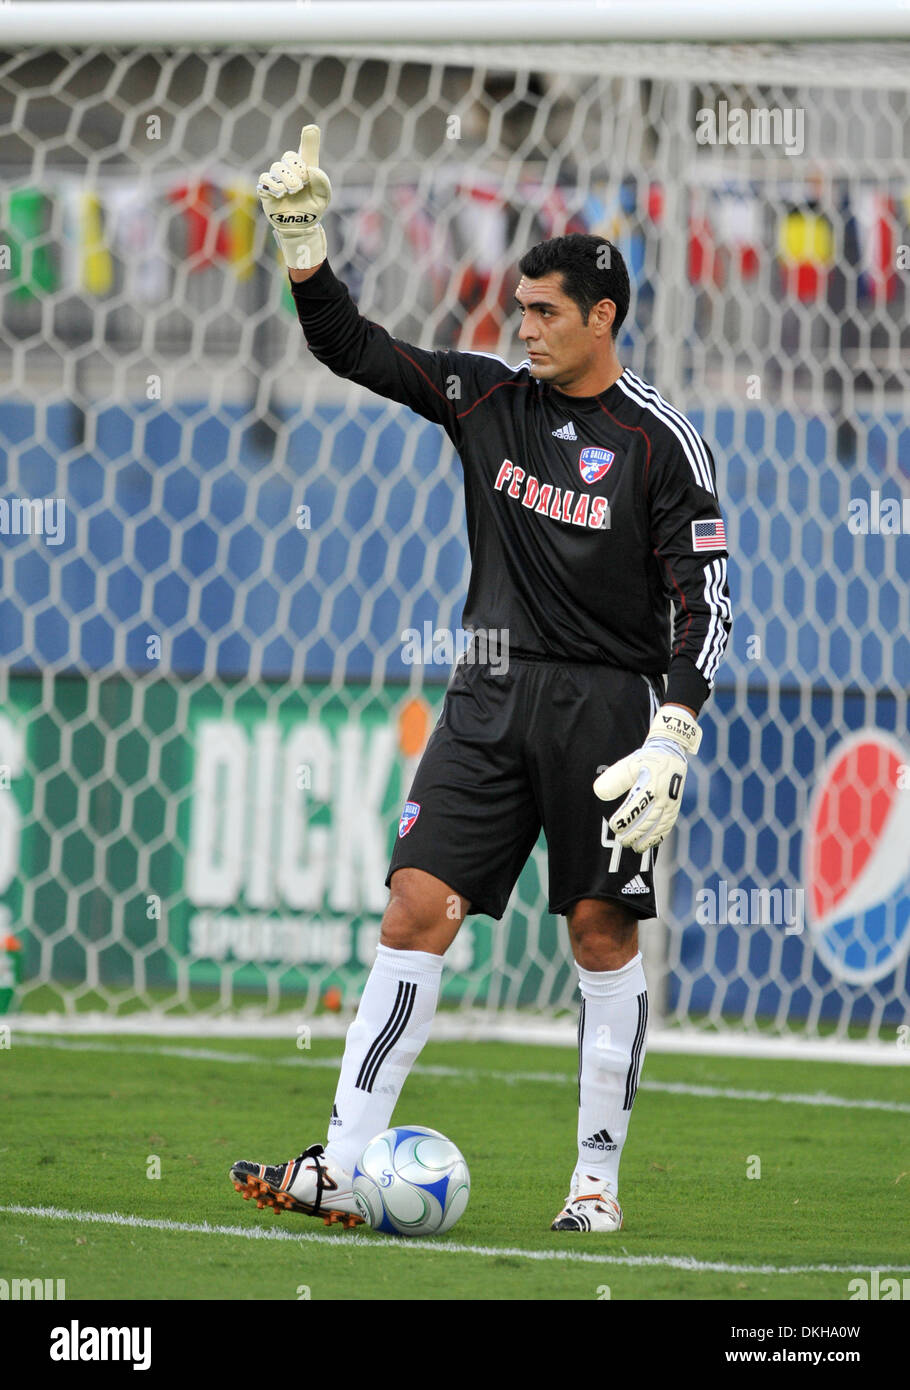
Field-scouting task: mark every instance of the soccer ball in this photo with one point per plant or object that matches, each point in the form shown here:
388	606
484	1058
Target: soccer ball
411	1181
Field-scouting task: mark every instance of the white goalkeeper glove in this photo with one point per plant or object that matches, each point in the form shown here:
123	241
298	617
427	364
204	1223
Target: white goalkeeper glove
656	773
295	194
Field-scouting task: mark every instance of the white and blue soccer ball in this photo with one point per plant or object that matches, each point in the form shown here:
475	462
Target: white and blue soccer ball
411	1181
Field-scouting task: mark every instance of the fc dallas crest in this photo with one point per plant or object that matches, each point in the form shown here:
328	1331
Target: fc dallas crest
594	463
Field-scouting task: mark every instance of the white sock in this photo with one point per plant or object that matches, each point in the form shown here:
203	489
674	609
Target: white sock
393	1022
612	1034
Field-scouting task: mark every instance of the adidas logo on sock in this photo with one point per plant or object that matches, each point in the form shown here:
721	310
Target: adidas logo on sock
566	432
336	1118
636	885
602	1142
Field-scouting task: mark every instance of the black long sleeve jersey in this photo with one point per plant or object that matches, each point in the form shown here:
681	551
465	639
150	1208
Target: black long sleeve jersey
587	516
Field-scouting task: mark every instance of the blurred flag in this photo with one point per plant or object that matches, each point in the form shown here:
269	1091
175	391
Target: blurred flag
368	233
705	267
415	218
876	215
482	225
427	237
619	222
87	264
553	210
241	206
739	229
207	237
133	228
481	221
806	251
97	261
31	266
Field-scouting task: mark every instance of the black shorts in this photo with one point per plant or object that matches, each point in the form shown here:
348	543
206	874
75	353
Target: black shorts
518	750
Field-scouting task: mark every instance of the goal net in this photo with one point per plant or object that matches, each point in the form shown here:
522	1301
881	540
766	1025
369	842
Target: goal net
219	560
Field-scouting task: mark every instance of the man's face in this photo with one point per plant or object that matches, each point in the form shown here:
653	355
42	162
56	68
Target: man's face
562	349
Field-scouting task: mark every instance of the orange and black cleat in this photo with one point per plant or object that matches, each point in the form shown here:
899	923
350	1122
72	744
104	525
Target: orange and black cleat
309	1184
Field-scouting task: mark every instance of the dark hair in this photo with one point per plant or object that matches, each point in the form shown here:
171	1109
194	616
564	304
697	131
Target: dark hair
584	280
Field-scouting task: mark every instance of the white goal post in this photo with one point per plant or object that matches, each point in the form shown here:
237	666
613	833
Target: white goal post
212	548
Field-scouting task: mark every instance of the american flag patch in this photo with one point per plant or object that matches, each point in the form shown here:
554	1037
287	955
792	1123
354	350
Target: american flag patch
709	535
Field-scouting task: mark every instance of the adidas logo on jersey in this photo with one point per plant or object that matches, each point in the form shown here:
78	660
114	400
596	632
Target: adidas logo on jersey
565	432
602	1142
636	885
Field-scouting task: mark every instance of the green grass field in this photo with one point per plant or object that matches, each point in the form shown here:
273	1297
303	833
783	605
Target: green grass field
81	1119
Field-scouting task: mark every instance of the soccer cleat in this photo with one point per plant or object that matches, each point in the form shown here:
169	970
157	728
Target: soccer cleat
590	1206
310	1184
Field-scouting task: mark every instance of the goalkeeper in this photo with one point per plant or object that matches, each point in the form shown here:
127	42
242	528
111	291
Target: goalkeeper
592	511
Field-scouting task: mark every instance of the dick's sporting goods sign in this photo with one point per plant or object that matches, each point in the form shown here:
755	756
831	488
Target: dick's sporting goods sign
291	826
155	835
292	817
251	833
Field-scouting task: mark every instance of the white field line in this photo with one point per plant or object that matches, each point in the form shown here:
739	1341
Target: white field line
682	1262
467	1026
468	1074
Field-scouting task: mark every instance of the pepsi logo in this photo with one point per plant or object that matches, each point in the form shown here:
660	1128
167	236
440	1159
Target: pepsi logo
594	463
856	859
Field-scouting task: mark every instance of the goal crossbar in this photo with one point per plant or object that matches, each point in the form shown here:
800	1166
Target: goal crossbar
154	23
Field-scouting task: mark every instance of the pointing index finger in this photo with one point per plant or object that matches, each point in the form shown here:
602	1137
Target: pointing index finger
309	146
